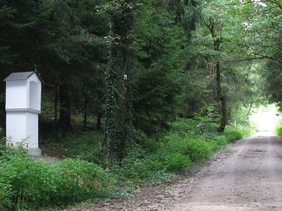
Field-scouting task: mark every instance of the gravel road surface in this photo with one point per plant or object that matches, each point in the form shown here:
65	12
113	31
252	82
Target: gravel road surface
246	175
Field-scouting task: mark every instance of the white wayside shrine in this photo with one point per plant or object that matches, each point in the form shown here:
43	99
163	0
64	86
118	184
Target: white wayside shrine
23	104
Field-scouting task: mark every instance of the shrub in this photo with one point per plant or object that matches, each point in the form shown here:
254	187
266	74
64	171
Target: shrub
175	161
196	149
143	167
80	180
6	193
220	142
246	128
31	184
278	130
233	136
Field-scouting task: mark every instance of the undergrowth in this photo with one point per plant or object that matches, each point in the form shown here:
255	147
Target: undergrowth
278	130
28	184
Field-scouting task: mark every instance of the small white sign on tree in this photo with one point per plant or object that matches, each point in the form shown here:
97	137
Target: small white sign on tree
23	104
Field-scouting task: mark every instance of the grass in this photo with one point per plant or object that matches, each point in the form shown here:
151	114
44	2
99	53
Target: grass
29	184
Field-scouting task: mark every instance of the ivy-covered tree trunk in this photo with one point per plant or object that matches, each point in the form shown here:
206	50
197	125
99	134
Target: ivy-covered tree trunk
117	113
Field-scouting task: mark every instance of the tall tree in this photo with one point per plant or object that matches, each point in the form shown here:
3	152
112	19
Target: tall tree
225	34
161	48
156	68
73	44
268	46
217	41
6	15
119	130
18	21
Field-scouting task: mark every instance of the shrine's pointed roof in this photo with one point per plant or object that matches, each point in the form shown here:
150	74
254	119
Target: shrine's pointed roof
22	76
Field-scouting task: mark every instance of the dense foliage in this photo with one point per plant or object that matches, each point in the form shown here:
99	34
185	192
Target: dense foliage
268	31
143	89
128	66
278	130
30	184
27	184
153	85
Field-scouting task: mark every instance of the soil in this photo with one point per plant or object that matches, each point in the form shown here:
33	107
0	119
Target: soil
245	176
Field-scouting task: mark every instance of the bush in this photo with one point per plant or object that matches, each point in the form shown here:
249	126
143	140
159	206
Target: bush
80	180
219	142
233	136
246	128
175	161
29	184
6	193
143	167
278	130
196	149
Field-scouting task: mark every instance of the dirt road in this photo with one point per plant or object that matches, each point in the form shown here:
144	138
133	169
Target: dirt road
245	176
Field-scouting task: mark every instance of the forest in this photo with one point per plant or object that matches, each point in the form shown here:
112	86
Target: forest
128	76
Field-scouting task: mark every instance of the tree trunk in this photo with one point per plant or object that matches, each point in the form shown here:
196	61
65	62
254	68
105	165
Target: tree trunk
117	109
223	120
217	42
64	122
98	123
85	112
100	111
222	99
56	108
